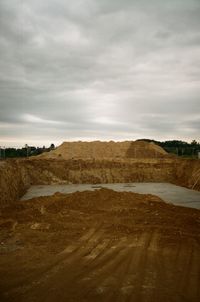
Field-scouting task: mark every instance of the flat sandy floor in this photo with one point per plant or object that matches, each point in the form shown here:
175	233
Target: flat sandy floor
168	192
99	246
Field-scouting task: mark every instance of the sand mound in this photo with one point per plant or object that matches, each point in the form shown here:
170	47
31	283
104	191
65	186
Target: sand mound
106	150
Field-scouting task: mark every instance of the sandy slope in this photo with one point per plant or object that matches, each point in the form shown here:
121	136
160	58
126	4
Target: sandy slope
106	150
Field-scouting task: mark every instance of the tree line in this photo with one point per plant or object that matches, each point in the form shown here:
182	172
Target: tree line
179	147
24	151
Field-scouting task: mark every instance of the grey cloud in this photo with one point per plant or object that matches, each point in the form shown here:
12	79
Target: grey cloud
99	69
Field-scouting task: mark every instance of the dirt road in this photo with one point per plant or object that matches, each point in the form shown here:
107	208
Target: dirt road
99	246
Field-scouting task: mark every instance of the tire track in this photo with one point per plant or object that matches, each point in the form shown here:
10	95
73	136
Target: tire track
64	260
133	269
122	262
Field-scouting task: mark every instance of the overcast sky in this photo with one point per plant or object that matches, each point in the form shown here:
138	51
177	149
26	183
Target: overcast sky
99	69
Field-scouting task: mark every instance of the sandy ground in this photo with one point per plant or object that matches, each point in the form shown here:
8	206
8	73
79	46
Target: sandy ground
99	246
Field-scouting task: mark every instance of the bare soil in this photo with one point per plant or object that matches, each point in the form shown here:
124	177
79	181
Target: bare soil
99	246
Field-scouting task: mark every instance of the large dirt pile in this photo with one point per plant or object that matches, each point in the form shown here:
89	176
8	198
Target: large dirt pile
106	150
99	246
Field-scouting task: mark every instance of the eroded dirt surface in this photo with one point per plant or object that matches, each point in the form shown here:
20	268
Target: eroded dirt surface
99	246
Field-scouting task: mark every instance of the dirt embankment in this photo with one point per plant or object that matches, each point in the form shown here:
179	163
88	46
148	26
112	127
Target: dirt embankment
99	171
14	181
99	246
187	173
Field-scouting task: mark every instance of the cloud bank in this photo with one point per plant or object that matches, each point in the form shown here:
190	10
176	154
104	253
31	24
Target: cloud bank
90	69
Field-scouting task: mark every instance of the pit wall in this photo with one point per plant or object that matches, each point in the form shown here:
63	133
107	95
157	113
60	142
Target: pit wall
187	173
13	182
79	171
16	176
